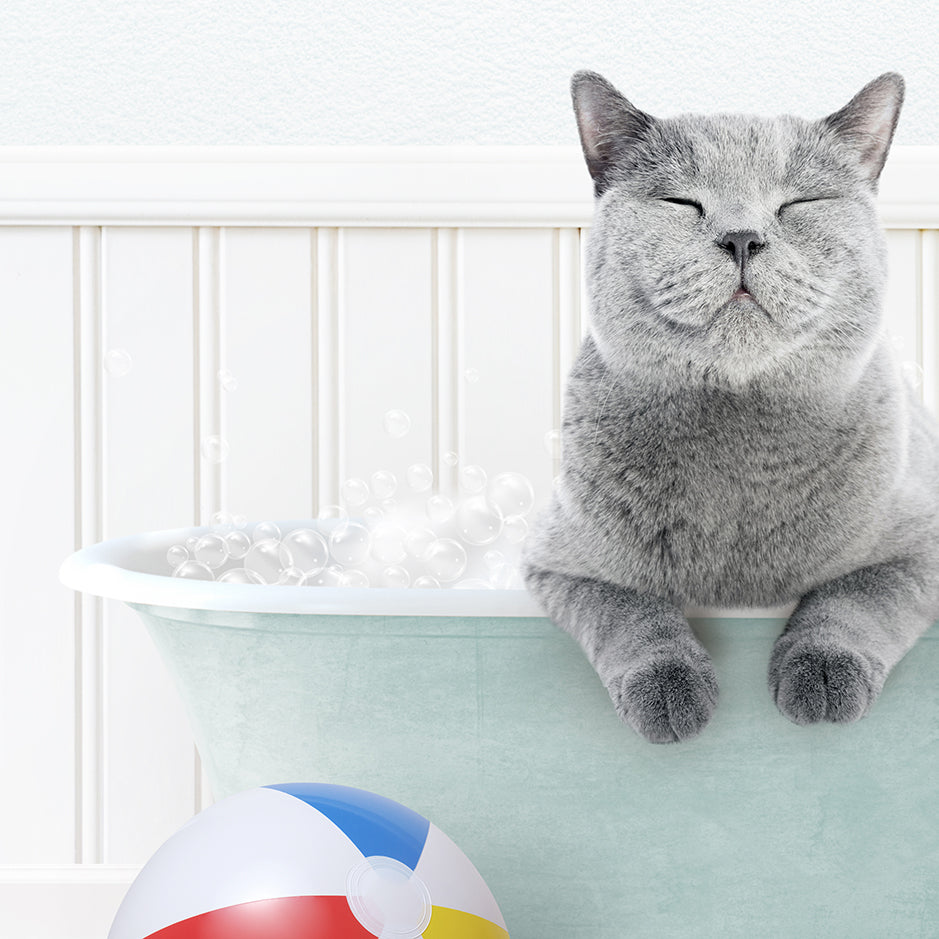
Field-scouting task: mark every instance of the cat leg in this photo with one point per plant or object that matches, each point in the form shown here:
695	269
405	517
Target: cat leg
659	676
843	639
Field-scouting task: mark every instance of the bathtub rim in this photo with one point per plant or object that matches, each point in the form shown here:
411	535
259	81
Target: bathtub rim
107	569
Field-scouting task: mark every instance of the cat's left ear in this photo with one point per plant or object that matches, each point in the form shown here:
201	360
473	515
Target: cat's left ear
868	120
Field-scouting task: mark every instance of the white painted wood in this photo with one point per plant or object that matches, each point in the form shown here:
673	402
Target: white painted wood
68	902
211	379
448	367
929	323
328	455
508	339
38	498
147	473
89	626
267	345
902	299
346	186
387	350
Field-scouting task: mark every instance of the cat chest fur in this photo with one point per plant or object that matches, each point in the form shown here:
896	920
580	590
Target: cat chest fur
724	499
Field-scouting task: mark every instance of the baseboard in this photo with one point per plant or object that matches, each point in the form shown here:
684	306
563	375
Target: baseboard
61	902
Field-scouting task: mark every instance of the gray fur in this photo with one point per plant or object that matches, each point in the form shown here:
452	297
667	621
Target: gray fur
748	452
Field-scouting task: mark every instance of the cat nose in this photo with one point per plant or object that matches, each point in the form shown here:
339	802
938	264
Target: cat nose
741	244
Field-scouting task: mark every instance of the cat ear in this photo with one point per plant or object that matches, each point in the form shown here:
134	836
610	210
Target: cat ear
868	120
607	122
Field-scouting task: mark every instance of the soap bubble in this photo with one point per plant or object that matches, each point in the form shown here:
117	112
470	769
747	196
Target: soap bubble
333	511
193	570
426	582
373	514
214	449
307	549
512	493
354	578
350	543
290	576
191	541
472	479
515	528
473	583
397	423
445	559
211	550
238	543
117	362
267	559
331	576
176	555
355	491
238	575
221	521
451	458
388	544
439	509
471	375
227	380
479	522
384	484
552	443
420	477
264	531
418	540
396	577
239	521
493	559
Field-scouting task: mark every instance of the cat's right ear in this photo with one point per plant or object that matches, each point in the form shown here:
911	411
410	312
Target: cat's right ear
608	125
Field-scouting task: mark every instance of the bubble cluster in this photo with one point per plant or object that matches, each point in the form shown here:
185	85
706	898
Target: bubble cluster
382	534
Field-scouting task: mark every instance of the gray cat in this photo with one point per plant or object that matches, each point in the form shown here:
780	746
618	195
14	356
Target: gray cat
736	429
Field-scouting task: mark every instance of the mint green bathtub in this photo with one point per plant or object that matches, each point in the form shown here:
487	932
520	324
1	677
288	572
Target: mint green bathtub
476	712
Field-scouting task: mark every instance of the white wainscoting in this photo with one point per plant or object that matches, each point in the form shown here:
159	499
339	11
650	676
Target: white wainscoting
333	285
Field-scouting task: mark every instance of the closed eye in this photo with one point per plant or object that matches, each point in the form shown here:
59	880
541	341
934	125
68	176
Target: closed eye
691	202
802	201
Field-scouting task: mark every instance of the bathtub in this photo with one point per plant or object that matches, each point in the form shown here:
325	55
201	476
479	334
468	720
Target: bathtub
473	709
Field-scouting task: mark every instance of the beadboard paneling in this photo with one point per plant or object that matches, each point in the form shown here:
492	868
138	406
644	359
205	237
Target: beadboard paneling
328	287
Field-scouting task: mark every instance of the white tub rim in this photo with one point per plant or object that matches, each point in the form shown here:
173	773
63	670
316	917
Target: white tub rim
111	569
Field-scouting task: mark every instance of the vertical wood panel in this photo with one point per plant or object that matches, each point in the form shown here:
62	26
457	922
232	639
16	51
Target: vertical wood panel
267	345
147	296
902	299
448	376
327	438
387	349
89	666
929	312
508	338
37	493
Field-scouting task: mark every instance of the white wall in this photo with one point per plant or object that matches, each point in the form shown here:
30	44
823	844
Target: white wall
447	72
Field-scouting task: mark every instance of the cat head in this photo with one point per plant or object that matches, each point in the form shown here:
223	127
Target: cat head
726	247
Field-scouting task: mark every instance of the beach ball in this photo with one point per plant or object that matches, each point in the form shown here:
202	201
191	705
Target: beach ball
308	861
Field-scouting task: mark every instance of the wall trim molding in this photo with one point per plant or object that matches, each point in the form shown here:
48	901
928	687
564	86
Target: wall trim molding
349	186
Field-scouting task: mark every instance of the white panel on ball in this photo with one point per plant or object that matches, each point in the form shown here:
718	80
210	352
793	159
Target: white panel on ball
147	483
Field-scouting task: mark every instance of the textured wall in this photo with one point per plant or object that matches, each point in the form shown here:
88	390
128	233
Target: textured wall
489	72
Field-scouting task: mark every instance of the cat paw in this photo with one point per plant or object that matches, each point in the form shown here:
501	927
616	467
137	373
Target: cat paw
668	697
814	681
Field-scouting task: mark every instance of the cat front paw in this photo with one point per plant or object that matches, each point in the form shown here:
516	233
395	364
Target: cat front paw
815	680
668	697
